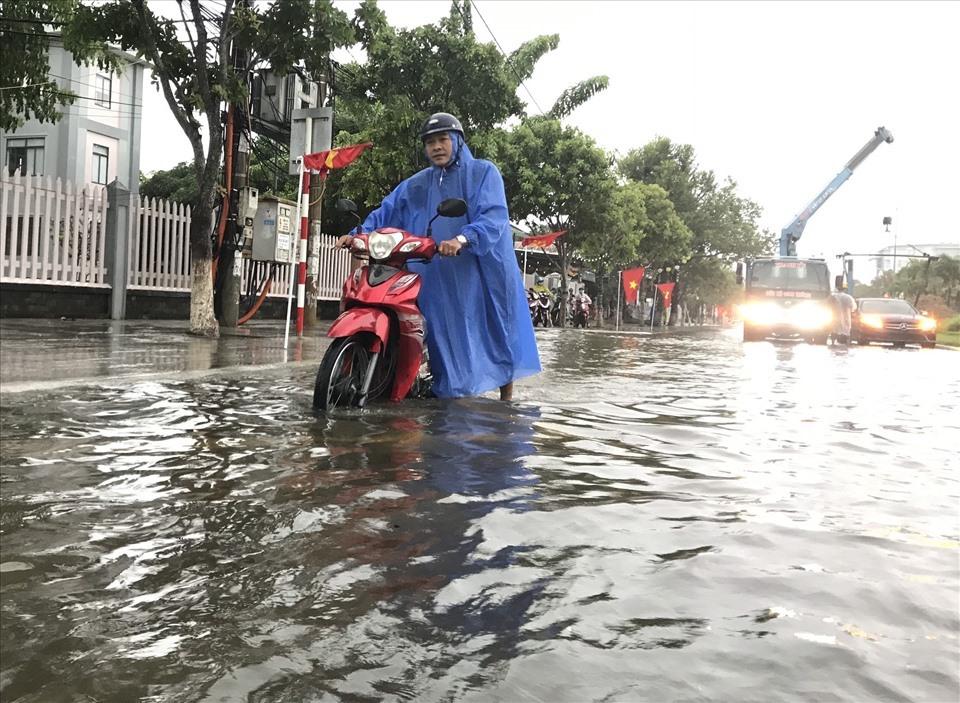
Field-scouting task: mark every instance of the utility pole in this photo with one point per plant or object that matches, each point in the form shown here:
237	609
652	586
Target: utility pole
313	252
317	185
230	268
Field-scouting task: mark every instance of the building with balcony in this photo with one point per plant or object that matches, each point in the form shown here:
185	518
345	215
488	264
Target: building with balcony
98	138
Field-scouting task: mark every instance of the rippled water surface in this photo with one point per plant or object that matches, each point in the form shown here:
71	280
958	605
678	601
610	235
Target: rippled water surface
671	518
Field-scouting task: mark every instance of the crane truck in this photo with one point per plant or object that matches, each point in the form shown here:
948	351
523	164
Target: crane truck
789	297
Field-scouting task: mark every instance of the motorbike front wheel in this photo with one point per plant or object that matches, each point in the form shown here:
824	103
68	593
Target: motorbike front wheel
341	374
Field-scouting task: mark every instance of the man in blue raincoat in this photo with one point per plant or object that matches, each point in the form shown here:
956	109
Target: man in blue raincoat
479	332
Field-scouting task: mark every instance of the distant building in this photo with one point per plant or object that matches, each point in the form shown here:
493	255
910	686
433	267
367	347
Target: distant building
98	138
898	256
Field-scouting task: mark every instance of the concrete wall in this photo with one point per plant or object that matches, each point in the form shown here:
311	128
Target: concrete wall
19	300
31	300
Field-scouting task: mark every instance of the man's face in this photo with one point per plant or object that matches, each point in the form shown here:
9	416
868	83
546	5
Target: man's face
439	148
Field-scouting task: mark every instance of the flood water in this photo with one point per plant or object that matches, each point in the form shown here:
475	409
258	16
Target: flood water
674	518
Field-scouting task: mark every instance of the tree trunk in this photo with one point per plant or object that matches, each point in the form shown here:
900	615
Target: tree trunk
598	308
202	320
313	253
562	252
676	318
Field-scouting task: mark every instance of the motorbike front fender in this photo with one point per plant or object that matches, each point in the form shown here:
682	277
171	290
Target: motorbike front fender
360	319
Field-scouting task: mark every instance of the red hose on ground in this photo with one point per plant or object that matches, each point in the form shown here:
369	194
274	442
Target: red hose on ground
256	306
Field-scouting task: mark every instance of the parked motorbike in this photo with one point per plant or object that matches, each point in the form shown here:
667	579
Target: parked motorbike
556	311
542	310
533	302
378	346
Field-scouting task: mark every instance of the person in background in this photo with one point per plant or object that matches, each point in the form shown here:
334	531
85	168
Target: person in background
844	305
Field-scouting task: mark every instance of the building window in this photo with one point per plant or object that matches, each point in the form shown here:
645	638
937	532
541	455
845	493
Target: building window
102	91
26	156
101	162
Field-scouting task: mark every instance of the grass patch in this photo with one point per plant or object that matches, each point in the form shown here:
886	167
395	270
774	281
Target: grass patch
951	339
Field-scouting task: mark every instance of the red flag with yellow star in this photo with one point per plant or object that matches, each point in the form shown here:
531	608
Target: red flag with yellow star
666	290
542	240
631	283
323	161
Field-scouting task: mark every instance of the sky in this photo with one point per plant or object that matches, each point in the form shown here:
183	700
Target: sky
777	96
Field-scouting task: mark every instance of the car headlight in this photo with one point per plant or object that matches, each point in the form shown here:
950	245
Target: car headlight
382	243
874	321
928	324
810	316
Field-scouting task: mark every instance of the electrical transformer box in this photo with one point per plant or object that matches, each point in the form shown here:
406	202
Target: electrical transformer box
273	231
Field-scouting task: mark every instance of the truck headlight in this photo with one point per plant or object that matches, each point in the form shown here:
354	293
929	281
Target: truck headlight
760	313
811	316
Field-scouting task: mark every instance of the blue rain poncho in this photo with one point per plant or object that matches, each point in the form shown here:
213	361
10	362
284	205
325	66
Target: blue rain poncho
479	332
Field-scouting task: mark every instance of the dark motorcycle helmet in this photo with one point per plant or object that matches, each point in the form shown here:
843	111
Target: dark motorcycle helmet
440	122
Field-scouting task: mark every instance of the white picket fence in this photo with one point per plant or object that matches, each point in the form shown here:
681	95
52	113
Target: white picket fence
334	269
55	235
51	233
159	241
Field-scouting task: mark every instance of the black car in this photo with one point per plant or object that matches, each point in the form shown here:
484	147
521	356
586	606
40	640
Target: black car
892	321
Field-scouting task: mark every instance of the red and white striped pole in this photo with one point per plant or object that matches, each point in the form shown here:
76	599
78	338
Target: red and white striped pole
302	268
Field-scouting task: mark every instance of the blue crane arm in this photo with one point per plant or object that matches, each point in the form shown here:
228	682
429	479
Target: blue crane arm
792	232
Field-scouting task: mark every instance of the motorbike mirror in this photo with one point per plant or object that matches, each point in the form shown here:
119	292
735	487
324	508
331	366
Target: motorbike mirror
739	274
452	207
345	205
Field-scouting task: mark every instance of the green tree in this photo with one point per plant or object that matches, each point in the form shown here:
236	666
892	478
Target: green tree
881	284
29	91
947	271
178	184
193	68
268	174
939	277
724	225
557	178
411	73
636	225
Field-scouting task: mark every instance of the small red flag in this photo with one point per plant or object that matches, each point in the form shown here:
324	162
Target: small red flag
324	161
542	240
631	283
666	290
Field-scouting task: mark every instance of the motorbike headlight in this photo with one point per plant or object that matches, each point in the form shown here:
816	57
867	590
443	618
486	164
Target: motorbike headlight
382	243
928	324
874	321
810	316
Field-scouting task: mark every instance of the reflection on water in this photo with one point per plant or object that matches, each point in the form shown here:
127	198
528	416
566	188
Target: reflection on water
656	519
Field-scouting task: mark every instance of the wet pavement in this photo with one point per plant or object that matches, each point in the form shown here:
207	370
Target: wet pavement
670	517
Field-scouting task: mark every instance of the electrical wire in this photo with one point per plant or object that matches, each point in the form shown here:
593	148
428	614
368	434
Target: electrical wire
497	42
85	97
22	87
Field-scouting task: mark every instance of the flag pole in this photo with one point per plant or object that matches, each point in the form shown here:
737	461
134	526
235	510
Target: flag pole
524	266
619	287
653	308
286	333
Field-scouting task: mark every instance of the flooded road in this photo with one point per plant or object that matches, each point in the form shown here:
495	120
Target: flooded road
665	518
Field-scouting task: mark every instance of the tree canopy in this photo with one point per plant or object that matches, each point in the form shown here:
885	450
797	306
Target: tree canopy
940	277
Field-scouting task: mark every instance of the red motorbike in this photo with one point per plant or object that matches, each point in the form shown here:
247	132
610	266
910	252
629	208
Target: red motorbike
378	338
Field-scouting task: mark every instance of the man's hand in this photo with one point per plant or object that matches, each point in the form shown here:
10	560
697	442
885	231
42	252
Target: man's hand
345	242
450	247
